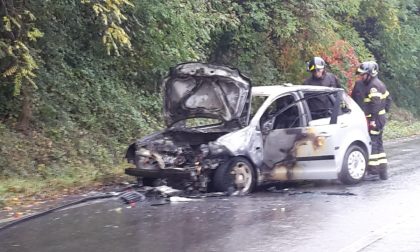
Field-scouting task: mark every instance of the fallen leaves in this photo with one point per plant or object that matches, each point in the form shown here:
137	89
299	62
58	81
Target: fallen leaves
8	209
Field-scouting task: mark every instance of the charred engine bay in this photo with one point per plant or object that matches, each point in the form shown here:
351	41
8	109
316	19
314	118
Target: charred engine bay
181	155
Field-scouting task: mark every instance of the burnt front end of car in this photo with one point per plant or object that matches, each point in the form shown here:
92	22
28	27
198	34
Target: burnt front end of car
183	159
201	103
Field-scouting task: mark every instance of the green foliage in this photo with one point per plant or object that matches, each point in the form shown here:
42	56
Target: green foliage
17	59
250	46
392	33
170	32
109	12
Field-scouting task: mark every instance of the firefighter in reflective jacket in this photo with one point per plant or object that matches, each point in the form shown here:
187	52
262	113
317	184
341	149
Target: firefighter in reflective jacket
377	102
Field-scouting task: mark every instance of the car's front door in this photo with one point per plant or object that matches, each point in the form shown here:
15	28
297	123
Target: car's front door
294	150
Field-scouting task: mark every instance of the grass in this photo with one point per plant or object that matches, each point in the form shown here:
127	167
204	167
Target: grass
20	191
39	165
399	129
401	123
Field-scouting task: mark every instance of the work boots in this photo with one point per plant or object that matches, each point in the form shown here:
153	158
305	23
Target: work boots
372	170
383	171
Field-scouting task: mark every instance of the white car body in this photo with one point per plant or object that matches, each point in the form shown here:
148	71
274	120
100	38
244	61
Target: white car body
312	162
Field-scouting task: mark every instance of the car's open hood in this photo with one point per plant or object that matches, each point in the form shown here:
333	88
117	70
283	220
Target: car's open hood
203	90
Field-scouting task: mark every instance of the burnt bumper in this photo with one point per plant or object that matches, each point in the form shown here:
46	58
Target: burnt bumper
158	173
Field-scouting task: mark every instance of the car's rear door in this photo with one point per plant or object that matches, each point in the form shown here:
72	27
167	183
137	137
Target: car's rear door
317	156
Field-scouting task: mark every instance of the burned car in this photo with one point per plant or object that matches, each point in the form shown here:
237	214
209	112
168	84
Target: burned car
223	135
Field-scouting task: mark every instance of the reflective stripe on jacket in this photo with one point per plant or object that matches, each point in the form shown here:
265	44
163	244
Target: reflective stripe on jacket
376	101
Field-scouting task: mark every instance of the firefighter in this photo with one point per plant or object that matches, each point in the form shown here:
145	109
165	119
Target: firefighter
319	75
377	102
358	93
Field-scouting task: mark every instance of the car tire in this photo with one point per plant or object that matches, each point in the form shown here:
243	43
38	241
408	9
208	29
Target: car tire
354	165
236	176
147	181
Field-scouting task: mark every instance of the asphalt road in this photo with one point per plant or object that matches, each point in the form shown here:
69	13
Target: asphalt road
324	216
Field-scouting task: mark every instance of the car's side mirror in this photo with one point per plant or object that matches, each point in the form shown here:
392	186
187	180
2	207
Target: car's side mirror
344	107
267	126
346	110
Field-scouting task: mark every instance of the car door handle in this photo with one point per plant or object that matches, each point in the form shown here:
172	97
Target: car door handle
343	125
324	134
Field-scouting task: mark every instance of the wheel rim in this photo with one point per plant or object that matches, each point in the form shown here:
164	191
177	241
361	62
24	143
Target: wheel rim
356	164
242	179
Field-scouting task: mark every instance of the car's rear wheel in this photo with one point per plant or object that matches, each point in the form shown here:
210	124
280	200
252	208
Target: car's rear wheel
354	165
237	176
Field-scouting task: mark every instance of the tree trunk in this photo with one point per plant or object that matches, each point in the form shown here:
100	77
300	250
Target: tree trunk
25	116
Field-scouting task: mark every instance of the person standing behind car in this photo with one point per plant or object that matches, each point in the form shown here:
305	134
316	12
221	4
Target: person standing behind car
377	102
319	75
358	93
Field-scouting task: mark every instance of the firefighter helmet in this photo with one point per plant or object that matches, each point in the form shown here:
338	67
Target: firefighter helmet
368	67
315	63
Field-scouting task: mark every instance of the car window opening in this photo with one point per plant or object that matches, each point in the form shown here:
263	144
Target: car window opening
320	106
282	113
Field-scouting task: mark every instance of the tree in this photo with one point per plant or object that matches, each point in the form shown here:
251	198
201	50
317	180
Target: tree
111	15
18	65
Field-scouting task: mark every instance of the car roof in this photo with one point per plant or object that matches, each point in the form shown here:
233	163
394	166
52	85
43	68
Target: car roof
280	89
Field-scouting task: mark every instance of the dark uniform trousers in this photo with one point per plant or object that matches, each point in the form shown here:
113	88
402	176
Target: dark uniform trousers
377	102
377	159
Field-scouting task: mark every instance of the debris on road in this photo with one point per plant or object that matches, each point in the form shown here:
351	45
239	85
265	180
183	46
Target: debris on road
167	191
288	191
340	193
208	195
181	199
160	202
132	196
